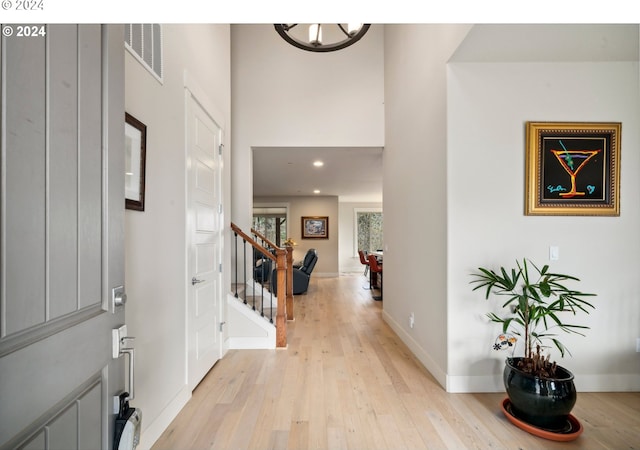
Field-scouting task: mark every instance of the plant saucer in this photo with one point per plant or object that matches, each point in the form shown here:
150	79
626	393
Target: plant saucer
571	430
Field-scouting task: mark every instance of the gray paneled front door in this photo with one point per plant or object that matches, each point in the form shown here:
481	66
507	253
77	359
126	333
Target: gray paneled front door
61	235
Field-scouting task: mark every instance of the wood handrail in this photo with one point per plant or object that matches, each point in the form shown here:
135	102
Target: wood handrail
253	243
289	277
264	238
284	279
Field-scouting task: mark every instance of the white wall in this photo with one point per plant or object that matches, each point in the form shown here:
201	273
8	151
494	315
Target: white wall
414	192
467	209
155	238
349	261
284	96
488	107
454	189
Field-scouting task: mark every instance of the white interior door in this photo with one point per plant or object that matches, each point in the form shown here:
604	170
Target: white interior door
204	229
61	233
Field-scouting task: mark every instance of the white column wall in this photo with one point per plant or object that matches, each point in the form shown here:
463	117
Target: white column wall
415	183
155	239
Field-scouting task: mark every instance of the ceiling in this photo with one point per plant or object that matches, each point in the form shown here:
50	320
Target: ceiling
354	174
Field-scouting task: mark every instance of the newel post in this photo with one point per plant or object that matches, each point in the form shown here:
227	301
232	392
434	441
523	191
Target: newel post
289	283
281	324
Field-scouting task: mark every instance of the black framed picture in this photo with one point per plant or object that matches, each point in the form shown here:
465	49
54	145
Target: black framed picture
135	161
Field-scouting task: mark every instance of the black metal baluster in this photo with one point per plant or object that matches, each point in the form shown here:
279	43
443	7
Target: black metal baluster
236	245
271	299
262	265
244	265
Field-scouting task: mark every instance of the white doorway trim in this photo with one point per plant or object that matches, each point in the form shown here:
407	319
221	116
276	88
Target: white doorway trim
195	97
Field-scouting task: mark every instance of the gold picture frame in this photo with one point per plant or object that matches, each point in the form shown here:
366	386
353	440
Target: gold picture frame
315	227
572	168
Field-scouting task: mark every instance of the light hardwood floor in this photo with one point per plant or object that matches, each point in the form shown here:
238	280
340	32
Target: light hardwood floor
347	382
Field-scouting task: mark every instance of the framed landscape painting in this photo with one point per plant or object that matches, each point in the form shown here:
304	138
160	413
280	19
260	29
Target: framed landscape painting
572	168
316	227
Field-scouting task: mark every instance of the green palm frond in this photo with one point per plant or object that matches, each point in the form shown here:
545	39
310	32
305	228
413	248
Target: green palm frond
537	301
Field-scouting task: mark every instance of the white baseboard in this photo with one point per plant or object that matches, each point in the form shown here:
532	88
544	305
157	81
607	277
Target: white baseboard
494	383
417	350
584	383
150	434
629	382
251	343
468	384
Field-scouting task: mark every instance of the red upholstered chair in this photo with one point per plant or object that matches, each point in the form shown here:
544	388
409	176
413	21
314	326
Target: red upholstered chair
364	261
375	268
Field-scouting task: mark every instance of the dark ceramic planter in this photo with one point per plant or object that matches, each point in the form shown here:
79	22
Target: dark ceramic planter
542	402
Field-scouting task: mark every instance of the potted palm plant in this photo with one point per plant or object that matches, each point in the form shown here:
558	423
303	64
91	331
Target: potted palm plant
537	301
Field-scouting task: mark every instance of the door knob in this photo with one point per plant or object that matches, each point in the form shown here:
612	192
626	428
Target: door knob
195	281
118	296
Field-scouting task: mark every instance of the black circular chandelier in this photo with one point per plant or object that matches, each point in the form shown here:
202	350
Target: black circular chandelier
321	37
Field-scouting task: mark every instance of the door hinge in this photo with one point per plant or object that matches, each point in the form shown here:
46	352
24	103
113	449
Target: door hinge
221	323
220	267
219	208
220	149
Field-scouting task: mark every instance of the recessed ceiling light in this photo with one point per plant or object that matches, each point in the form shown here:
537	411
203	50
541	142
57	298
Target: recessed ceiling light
318	163
316	191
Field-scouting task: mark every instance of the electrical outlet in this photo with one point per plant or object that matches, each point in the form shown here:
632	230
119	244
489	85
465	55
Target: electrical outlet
638	345
411	320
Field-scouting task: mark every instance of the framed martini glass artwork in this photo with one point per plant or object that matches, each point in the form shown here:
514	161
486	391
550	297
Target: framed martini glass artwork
572	168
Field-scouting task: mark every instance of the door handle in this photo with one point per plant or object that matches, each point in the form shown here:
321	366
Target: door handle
195	281
119	337
131	353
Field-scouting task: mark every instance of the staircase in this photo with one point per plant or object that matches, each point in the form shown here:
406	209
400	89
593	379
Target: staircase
258	264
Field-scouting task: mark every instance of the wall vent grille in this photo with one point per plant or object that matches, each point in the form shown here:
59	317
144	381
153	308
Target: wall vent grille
144	42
